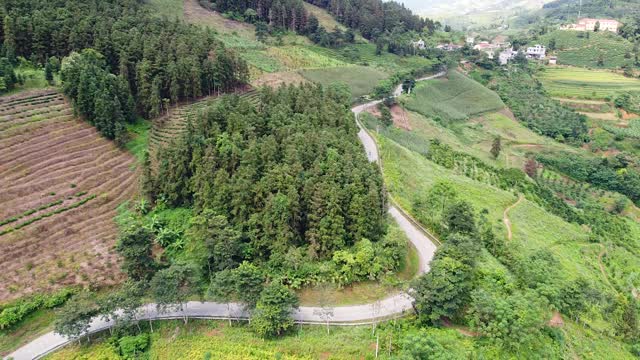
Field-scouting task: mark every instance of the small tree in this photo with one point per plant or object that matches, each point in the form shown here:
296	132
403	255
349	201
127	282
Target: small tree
48	73
123	306
274	310
262	31
172	286
250	15
135	246
385	115
74	318
596	27
496	147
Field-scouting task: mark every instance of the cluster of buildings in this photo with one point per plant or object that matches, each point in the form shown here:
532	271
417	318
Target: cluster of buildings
421	45
499	47
589	24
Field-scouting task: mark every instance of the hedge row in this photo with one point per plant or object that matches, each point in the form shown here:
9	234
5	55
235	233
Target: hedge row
16	311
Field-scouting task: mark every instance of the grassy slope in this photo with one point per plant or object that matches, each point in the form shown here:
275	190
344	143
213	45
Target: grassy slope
174	340
360	79
569	82
572	50
409	175
456	97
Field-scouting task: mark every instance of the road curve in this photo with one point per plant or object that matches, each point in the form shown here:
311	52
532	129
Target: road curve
393	306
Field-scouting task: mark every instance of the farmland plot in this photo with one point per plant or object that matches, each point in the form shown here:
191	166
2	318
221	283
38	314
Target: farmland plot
455	98
569	82
61	184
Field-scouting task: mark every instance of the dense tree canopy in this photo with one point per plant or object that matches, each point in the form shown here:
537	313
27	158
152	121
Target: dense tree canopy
276	181
153	58
372	17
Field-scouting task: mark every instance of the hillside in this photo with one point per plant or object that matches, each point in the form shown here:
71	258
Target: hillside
62	185
288	179
432	159
455	98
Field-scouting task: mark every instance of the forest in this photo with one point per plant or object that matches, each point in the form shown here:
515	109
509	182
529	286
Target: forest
150	72
282	183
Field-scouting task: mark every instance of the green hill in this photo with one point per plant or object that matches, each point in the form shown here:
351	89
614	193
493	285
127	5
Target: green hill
593	49
454	98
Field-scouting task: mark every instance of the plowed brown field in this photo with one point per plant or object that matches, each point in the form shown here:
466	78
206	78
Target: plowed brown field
61	183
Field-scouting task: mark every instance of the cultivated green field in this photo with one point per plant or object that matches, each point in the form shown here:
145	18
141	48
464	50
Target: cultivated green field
360	79
571	82
455	98
612	49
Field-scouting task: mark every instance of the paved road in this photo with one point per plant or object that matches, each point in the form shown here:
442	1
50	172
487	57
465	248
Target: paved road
395	305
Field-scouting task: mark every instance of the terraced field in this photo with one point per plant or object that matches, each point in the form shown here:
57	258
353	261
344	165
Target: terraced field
169	127
570	82
61	185
600	50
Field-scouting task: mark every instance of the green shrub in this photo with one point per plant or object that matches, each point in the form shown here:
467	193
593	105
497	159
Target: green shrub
130	347
16	311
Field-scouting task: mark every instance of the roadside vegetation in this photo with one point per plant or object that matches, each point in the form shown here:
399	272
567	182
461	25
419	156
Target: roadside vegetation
264	196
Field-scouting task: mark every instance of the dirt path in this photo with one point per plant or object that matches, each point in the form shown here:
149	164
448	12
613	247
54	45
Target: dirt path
505	217
603	251
461	329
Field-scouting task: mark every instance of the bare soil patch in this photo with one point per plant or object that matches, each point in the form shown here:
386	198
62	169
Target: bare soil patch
274	80
49	159
196	14
556	320
400	116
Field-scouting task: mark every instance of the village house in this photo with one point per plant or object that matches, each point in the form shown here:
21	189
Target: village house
420	44
553	60
536	52
506	56
487	48
470	40
589	24
501	41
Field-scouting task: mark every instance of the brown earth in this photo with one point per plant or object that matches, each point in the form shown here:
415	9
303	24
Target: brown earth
400	116
274	80
50	156
194	13
556	320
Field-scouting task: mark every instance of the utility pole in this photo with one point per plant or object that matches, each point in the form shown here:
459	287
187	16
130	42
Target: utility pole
580	10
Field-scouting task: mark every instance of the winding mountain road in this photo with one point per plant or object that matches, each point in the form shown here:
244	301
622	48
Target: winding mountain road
391	307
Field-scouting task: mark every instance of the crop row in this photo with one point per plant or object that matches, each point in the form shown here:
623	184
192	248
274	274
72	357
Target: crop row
29	212
46	215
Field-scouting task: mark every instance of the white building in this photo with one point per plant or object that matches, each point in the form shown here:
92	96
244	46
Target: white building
536	52
470	40
589	24
420	44
507	56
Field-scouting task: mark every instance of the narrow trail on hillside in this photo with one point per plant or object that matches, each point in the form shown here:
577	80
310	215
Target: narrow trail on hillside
505	217
603	251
